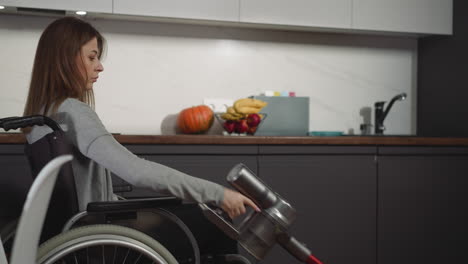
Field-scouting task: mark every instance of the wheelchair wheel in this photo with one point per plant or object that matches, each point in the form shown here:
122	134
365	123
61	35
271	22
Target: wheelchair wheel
7	234
103	244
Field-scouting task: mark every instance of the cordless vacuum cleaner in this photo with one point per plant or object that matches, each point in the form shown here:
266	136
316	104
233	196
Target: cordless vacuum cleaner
259	231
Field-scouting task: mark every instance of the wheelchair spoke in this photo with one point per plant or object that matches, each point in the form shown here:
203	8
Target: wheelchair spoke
139	256
76	260
126	256
115	253
103	255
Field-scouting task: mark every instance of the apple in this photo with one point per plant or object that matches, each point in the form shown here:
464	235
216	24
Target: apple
252	130
253	120
241	126
229	126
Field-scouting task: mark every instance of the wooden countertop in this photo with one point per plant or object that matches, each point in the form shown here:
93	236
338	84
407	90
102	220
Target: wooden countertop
18	138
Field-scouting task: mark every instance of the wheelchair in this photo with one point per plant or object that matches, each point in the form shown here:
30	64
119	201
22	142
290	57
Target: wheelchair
154	230
33	213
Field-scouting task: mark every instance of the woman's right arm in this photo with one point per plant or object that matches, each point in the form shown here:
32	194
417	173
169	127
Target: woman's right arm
109	153
140	172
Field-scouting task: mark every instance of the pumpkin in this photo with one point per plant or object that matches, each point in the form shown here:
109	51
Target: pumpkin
195	120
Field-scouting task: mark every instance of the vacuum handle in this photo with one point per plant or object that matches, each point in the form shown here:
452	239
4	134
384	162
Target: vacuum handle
297	249
246	182
219	221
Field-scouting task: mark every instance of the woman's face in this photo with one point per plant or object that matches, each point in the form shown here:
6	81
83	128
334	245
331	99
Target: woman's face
92	66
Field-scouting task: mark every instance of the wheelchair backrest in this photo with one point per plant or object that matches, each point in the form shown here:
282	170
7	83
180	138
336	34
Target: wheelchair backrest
64	202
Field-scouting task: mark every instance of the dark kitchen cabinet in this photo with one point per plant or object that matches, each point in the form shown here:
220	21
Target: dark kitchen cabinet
355	204
422	205
441	79
207	162
334	192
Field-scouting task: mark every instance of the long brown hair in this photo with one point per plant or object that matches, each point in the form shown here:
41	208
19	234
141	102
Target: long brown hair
56	75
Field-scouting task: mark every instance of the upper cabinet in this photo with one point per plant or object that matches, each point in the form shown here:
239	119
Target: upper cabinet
218	10
308	13
99	6
411	16
374	16
398	16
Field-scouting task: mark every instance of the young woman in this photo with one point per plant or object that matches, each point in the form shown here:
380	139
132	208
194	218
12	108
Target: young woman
66	66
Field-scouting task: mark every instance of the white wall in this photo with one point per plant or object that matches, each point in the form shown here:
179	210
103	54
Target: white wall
153	70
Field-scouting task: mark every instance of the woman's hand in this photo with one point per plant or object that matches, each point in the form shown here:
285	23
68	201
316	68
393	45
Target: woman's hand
234	203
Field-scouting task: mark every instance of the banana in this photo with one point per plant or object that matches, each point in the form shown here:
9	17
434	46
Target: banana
228	116
242	108
249	102
232	111
248	110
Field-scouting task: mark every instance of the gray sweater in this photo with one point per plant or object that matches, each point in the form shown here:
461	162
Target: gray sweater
97	153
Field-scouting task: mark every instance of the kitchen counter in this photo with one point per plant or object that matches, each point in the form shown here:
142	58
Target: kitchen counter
18	138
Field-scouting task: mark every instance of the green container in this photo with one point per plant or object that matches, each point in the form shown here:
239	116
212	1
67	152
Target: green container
287	116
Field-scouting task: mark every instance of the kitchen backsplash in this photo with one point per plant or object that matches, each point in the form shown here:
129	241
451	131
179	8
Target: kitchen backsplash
153	70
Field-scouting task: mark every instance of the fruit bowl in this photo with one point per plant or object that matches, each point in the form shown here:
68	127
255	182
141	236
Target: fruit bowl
242	126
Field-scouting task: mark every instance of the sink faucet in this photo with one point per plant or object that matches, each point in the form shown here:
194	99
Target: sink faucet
380	114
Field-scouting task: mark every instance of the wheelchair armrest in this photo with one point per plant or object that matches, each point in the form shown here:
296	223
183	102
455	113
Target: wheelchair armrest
134	204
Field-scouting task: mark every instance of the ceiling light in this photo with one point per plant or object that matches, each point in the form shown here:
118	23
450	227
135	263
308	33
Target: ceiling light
81	13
